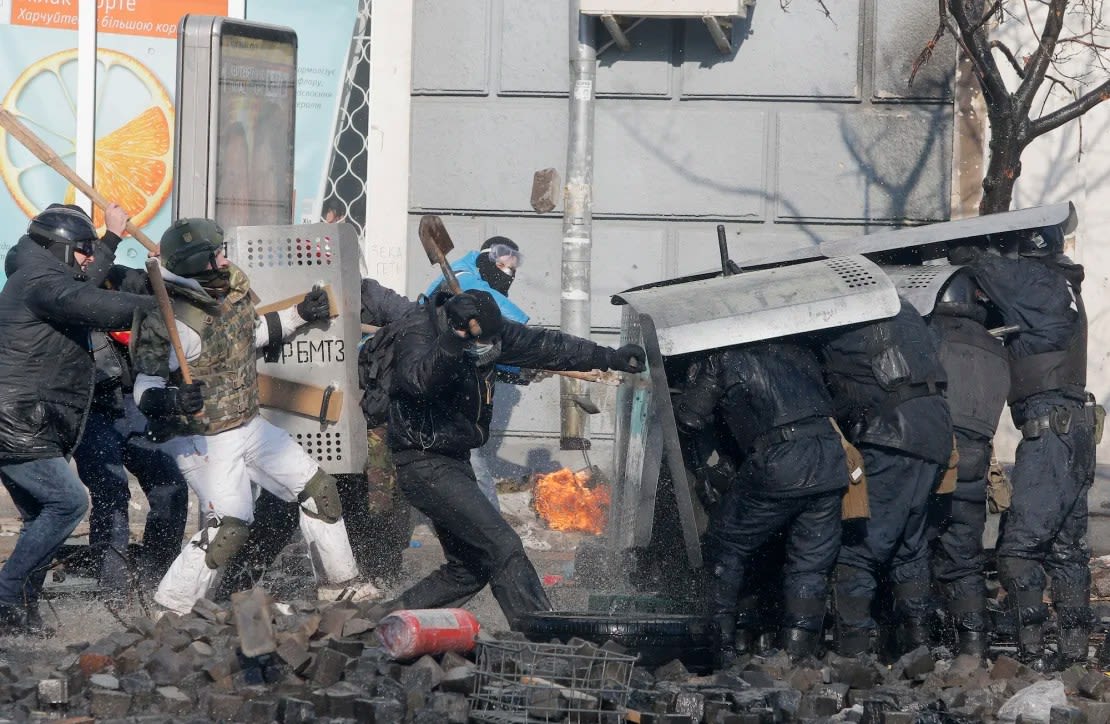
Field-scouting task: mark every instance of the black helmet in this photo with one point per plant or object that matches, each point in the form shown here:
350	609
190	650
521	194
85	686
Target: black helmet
189	245
63	229
1048	241
960	298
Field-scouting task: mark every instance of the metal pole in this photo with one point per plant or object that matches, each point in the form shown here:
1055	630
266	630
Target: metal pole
577	214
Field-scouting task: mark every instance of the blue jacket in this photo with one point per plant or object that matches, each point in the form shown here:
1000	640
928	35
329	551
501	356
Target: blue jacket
466	269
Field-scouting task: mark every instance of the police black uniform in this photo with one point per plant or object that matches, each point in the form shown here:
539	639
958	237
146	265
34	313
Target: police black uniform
772	398
887	385
978	378
1046	526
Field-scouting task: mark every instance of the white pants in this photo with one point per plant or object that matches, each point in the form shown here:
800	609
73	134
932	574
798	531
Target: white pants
220	469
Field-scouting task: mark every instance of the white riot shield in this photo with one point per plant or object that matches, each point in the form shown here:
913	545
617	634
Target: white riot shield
765	304
312	390
947	231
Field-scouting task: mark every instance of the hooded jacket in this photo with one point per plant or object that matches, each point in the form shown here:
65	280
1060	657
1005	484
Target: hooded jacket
46	364
441	400
470	279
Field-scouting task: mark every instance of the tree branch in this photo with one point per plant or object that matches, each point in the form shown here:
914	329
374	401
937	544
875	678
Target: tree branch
1071	111
1042	56
978	51
998	45
986	16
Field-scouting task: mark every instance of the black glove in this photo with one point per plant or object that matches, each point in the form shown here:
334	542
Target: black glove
190	398
629	358
479	305
315	306
159	403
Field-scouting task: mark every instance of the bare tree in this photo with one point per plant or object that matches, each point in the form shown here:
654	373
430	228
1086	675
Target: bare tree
1065	54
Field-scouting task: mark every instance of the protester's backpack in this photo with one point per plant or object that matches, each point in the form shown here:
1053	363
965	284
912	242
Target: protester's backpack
375	374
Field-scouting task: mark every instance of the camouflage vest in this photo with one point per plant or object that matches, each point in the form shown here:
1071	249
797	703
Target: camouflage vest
228	358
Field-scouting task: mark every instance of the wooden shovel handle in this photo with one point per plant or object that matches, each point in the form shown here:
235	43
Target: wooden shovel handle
35	145
154	270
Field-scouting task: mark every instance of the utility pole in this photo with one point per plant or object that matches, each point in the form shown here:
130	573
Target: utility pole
574	307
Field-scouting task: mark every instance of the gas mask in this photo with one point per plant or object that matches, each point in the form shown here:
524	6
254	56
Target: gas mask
484	353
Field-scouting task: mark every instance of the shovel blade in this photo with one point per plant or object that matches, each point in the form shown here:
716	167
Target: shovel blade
434	238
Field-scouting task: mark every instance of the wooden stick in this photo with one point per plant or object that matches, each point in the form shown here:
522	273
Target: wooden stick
35	145
154	270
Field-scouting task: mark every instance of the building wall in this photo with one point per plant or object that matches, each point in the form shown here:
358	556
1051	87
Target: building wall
809	131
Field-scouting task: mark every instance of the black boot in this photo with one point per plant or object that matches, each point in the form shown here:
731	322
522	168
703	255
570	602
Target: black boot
727	639
766	642
912	634
852	641
972	643
1073	646
800	643
1031	651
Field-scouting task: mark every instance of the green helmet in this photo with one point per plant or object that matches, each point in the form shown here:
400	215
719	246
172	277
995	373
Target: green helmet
190	244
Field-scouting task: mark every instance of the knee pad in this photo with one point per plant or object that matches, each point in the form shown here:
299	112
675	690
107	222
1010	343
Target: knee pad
231	534
320	498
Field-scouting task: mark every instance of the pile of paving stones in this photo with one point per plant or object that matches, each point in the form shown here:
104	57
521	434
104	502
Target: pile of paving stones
260	661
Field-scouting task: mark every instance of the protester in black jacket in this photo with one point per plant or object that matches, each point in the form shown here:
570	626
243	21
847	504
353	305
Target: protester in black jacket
441	401
47	308
114	443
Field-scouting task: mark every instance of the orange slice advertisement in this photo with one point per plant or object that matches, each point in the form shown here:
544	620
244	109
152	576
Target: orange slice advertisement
133	149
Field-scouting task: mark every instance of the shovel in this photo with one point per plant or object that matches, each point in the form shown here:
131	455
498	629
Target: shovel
437	243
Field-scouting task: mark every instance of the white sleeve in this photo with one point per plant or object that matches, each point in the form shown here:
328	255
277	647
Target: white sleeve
190	345
290	322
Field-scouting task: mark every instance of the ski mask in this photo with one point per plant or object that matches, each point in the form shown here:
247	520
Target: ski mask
498	262
216	282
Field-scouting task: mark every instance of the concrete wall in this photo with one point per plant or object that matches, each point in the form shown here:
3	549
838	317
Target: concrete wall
807	132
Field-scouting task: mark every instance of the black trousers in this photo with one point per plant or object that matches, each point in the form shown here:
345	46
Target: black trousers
892	543
480	547
957	552
1046	526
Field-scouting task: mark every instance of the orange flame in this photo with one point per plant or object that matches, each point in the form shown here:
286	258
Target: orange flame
562	499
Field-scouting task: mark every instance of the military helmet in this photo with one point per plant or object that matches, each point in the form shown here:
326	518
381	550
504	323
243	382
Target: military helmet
961	297
190	245
63	229
1047	241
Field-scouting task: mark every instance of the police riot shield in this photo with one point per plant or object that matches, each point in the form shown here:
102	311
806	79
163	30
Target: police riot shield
921	285
940	234
724	311
704	314
311	390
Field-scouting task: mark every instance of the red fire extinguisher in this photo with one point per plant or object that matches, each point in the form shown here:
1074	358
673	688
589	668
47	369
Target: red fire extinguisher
407	634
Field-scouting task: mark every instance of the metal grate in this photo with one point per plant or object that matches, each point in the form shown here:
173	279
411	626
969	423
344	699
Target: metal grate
292	251
345	193
923	279
519	681
854	275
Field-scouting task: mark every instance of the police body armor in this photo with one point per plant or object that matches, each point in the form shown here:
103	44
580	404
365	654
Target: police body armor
227	364
978	371
767	387
1064	370
887	379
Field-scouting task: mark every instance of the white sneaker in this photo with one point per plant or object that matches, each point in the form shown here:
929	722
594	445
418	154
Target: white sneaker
353	591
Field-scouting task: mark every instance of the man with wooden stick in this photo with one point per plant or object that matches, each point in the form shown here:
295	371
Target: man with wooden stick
440	406
222	443
47	309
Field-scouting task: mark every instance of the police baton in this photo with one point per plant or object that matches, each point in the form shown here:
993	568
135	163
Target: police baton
35	145
158	284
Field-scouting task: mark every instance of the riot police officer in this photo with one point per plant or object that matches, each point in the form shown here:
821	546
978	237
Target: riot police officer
978	373
887	385
773	400
1038	292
